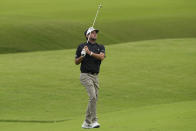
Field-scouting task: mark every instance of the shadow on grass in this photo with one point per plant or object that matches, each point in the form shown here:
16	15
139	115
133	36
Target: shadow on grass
35	121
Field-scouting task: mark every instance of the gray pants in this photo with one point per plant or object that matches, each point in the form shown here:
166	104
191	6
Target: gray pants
92	85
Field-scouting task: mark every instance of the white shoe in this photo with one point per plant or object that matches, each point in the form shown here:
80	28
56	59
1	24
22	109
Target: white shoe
86	125
95	125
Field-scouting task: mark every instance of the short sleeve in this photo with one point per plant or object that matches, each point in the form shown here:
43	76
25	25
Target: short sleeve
78	52
102	49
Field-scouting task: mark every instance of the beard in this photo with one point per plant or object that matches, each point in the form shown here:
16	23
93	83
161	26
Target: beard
93	39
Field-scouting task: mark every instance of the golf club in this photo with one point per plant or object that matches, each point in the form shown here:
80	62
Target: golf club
99	7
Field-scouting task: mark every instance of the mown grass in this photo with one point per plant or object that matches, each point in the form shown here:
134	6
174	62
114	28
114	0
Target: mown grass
44	87
51	25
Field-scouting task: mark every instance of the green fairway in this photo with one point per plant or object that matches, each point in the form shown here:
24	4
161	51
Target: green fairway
151	87
147	81
32	25
167	117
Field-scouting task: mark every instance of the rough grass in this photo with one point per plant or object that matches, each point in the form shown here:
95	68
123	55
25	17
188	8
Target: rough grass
51	25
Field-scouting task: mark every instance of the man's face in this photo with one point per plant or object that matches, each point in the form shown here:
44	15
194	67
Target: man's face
93	36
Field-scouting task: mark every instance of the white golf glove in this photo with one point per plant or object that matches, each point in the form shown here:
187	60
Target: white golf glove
83	53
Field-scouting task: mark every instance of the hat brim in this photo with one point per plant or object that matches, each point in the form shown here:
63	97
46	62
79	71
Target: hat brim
97	31
85	33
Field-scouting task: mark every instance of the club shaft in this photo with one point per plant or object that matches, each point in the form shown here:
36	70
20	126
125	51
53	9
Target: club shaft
96	15
94	20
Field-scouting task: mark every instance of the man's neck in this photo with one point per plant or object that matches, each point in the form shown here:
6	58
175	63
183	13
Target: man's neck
92	42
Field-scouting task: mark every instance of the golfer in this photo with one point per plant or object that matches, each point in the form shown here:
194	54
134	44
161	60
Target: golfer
90	55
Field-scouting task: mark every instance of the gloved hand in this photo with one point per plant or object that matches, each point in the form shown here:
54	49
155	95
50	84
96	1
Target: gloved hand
83	53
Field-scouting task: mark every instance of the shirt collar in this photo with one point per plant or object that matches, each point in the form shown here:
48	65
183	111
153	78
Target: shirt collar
91	43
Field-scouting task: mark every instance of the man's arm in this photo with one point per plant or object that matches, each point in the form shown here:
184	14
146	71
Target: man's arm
78	60
100	56
79	55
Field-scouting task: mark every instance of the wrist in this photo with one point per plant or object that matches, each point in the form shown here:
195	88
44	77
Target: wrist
88	52
91	53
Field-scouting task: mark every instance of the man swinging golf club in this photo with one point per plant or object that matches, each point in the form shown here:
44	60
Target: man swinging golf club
90	55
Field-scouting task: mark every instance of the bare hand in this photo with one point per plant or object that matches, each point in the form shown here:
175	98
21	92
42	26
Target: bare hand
87	50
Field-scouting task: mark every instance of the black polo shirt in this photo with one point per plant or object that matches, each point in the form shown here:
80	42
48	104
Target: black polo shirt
90	64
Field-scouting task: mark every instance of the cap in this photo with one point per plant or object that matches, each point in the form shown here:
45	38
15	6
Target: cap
89	30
